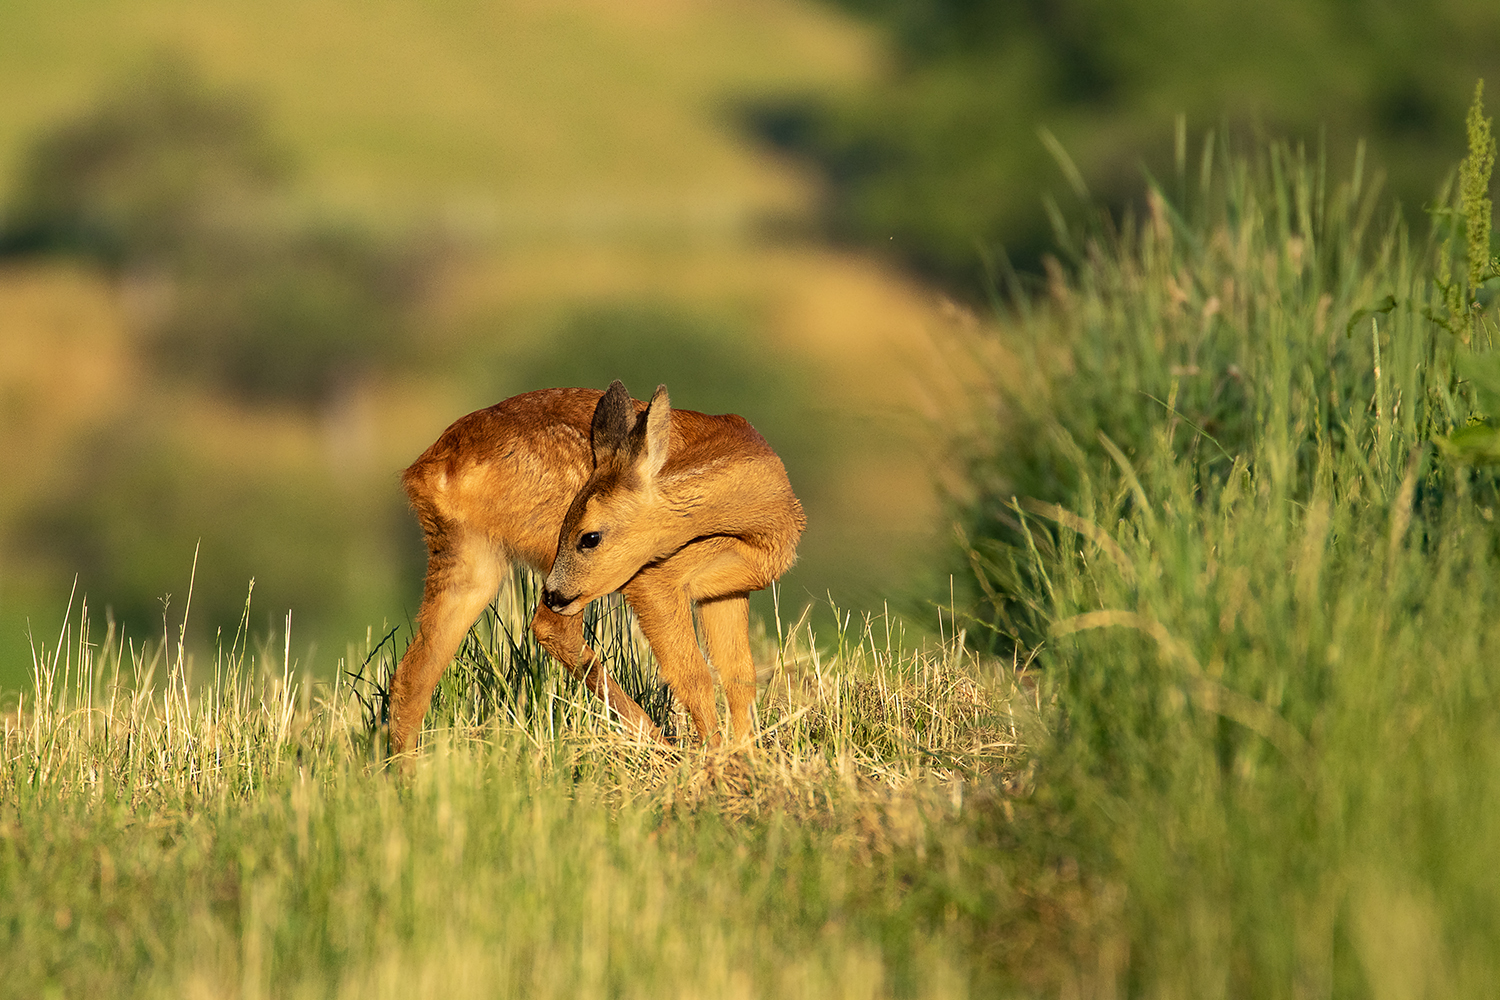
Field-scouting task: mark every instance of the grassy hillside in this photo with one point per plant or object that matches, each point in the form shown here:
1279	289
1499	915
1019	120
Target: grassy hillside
580	170
511	106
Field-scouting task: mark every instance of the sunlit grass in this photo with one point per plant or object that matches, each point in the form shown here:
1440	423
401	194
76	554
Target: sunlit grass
171	828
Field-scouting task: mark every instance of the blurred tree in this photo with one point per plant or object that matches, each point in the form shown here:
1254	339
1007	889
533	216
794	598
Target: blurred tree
147	176
138	498
289	316
941	161
181	192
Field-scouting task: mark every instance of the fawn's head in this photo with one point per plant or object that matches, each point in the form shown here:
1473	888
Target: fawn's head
610	531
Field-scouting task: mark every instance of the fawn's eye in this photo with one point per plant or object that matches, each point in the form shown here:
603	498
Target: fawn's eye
588	540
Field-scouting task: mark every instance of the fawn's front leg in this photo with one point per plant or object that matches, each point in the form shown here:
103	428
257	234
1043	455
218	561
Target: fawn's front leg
562	636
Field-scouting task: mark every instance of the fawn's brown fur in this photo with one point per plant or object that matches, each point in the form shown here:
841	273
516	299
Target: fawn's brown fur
601	493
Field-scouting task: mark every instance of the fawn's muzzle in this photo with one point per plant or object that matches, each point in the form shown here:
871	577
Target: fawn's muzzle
556	601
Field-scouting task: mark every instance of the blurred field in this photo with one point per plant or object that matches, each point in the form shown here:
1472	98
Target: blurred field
516	108
580	162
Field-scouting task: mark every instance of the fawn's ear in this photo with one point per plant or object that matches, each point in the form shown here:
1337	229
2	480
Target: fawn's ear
614	418
658	434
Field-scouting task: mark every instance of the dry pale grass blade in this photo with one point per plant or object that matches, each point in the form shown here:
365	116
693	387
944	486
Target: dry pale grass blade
1127	470
1088	529
1401	510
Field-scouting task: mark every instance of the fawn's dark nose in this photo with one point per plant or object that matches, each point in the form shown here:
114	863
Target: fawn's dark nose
556	601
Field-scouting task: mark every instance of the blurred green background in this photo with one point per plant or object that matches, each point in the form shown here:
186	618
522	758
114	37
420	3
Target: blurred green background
256	257
943	158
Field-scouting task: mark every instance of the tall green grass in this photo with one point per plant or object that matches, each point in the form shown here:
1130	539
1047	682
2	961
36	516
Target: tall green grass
1238	505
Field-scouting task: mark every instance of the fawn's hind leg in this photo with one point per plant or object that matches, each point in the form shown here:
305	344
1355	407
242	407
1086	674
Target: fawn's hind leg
726	633
461	580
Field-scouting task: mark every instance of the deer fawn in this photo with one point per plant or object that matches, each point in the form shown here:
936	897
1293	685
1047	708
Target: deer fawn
602	493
